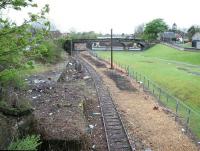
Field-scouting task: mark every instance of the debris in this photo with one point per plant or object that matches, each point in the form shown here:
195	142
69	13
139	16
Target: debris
155	108
50	114
96	113
49	79
86	77
93	147
91	126
67	105
34	97
30	91
36	81
183	130
140	82
148	149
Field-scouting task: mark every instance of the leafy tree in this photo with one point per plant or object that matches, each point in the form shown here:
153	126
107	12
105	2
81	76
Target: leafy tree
83	35
192	30
153	28
19	44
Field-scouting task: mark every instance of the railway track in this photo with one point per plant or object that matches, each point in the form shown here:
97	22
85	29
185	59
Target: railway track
116	135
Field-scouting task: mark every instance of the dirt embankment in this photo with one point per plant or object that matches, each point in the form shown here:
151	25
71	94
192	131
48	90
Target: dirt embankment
66	109
149	128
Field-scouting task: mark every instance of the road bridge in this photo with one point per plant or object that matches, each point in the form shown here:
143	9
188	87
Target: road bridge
69	45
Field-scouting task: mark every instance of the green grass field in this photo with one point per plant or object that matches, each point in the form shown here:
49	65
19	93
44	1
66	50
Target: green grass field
177	72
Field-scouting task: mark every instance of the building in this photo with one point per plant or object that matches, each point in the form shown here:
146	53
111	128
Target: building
196	40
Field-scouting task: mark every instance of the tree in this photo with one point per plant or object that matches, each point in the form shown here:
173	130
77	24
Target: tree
153	28
18	43
192	30
83	35
139	30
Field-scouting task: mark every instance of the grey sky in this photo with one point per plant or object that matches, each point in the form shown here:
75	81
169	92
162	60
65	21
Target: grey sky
121	15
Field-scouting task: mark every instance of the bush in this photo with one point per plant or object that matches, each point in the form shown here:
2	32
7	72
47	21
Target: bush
28	143
49	52
11	78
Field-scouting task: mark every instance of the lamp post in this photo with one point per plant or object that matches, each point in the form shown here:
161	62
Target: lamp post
111	46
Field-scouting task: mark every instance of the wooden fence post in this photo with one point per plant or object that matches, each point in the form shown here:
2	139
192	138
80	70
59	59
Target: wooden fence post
188	120
177	105
159	96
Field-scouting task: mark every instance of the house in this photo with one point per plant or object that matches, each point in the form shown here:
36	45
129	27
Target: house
168	36
196	40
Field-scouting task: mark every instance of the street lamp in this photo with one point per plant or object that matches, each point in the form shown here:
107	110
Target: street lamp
111	50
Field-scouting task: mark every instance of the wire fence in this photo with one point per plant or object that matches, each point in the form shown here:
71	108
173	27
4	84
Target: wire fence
184	114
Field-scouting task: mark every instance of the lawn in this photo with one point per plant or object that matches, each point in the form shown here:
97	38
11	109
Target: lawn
177	72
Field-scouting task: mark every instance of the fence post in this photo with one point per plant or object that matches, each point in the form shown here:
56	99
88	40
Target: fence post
167	98
153	88
188	120
128	70
136	76
177	105
159	94
144	83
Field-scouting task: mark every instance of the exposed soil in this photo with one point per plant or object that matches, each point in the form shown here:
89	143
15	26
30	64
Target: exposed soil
148	128
121	81
66	112
94	61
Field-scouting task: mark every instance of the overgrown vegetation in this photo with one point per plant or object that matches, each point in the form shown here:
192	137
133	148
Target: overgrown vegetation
22	47
28	143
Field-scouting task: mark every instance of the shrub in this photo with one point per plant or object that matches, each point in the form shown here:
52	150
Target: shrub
28	143
11	78
49	52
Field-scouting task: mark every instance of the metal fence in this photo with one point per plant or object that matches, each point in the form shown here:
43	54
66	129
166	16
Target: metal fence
184	114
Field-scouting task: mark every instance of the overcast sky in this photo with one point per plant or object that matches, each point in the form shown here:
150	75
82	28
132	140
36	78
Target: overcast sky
121	15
